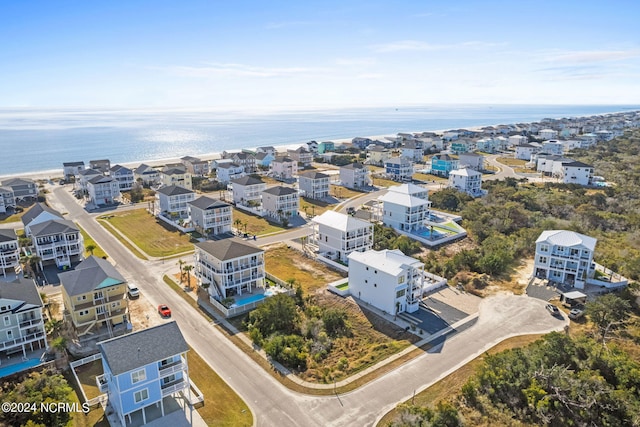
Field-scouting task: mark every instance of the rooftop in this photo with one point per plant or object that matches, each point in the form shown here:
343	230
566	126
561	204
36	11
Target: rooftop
91	274
228	249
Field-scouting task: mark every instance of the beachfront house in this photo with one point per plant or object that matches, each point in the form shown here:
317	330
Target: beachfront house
267	150
283	168
355	175
564	257
173	202
336	235
577	173
148	175
22	188
442	164
467	180
326	147
71	169
229	267
102	165
9	250
7	200
280	202
399	169
473	161
57	240
156	369
247	191
405	207
103	190
246	160
312	147
301	155
95	298
227	172
37	214
377	154
314	185
124	176
196	166
174	175
388	280
22	330
210	216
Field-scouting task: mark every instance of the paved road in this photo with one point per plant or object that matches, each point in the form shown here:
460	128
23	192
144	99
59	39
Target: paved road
504	171
275	405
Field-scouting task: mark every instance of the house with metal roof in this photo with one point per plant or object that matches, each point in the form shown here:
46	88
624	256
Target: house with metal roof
468	181
143	369
94	296
229	267
565	257
405	207
336	235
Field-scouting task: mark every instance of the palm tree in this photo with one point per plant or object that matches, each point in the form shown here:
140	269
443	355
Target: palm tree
304	208
237	223
187	269
181	263
245	227
91	248
34	263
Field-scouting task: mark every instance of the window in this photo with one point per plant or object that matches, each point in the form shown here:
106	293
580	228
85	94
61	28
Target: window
139	375
83	312
141	395
7	320
401	279
82	297
400	293
543	259
544	248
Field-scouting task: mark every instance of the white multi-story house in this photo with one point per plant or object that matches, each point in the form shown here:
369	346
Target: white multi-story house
23	188
548	133
102	165
467	180
83	177
57	240
405	207
247	191
71	169
148	175
388	280
7	200
195	166
124	176
413	151
246	160
227	172
210	216
229	267
525	151
173	201
473	161
577	173
103	190
377	155
155	369
354	175
314	185
548	164
22	328
9	250
565	257
337	235
37	214
267	150
174	175
301	155
553	146
283	167
399	169
515	140
280	202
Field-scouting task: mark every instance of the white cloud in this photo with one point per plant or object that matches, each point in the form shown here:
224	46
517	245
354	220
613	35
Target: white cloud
592	56
239	70
370	76
416	45
359	62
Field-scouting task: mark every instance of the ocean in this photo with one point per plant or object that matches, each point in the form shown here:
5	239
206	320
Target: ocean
37	140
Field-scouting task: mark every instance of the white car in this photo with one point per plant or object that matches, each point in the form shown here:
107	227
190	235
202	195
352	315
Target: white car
133	290
576	313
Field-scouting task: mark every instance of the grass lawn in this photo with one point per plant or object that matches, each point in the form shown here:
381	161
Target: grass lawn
315	207
95	417
148	234
427	177
344	192
87	374
89	241
222	406
383	182
286	263
255	224
510	161
451	385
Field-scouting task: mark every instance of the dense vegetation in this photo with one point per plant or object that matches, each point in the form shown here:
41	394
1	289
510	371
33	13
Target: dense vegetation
387	238
505	224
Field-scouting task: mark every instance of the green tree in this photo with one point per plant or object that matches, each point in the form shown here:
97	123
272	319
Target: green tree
187	271
608	312
276	314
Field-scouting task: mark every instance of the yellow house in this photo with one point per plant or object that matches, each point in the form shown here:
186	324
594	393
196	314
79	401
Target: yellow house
176	176
95	298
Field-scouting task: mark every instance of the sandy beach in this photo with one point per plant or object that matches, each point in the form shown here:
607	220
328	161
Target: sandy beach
56	174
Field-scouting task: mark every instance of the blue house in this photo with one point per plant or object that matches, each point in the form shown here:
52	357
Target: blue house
144	369
326	147
399	169
264	159
442	164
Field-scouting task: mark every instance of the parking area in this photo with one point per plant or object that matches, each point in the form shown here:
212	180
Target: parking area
443	308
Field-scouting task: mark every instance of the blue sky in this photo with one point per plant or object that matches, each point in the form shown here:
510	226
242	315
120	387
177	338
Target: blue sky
250	54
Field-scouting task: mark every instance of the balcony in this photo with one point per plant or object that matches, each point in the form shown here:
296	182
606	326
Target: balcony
173	387
26	323
101	382
172	368
21	340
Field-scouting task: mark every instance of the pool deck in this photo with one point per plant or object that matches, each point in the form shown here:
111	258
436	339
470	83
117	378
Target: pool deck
11	365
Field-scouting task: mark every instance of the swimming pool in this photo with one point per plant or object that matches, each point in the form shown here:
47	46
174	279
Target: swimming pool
428	233
12	369
249	300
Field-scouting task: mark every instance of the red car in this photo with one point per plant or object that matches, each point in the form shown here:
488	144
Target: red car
164	310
